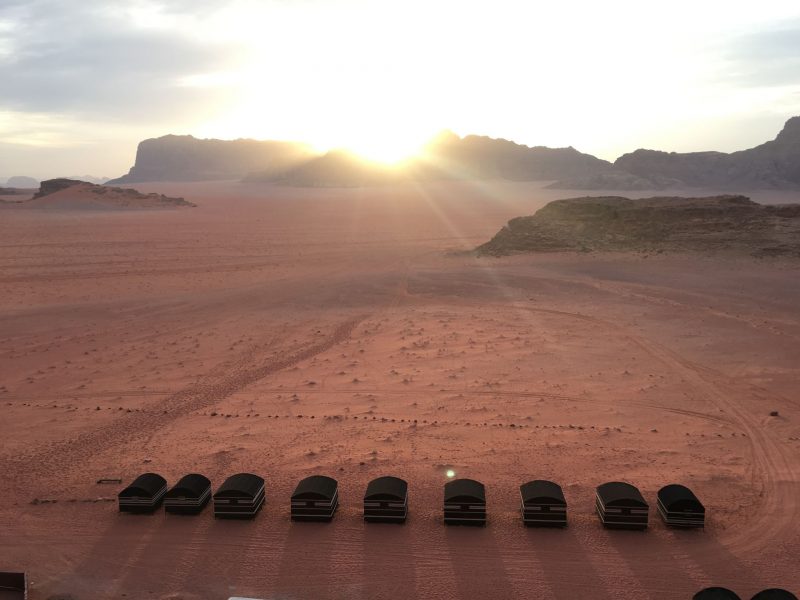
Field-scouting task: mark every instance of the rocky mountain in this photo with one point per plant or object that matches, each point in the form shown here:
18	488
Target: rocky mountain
447	156
22	182
672	224
483	157
774	164
186	158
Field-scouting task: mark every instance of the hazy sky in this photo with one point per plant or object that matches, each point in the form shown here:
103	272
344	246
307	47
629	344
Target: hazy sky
82	81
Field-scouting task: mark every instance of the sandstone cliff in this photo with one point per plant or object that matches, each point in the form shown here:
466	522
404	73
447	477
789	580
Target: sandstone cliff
185	158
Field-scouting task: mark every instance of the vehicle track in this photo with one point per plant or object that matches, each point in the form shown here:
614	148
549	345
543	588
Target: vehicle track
773	472
35	468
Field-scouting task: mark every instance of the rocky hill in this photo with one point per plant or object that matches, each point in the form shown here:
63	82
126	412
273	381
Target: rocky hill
612	223
186	158
70	194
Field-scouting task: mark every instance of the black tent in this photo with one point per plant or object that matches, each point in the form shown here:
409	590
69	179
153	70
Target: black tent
13	585
621	505
386	500
464	502
240	496
715	593
679	507
315	498
189	495
144	494
774	594
543	504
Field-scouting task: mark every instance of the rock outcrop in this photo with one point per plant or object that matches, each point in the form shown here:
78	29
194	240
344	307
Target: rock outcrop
70	194
186	158
612	223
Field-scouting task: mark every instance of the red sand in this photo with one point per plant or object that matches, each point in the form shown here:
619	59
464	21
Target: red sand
289	332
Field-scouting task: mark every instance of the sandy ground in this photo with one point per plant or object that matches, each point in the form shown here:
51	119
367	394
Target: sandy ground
289	332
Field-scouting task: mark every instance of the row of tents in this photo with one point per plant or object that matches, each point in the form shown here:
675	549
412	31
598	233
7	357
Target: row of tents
721	593
316	498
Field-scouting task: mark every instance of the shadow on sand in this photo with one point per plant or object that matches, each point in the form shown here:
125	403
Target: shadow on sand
119	547
566	564
388	570
680	562
306	569
476	562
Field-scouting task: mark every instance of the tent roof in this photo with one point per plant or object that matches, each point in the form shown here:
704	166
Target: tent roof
615	492
715	593
316	487
676	493
146	484
192	484
387	487
241	484
467	489
774	594
541	489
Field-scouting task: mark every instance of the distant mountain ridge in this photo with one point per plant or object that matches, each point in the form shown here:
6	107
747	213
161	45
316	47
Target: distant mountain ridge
186	158
774	164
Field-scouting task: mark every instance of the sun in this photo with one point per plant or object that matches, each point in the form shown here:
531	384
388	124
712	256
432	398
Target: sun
387	147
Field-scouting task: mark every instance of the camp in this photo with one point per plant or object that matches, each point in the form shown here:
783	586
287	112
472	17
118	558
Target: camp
715	593
774	594
144	495
543	504
679	507
620	505
189	496
240	496
386	500
464	502
315	498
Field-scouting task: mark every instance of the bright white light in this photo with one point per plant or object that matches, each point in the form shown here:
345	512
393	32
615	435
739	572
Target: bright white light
450	473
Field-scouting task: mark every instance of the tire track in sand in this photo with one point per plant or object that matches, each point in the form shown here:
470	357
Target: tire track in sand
773	471
32	470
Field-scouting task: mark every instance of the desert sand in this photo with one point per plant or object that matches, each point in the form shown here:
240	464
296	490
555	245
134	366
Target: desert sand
289	331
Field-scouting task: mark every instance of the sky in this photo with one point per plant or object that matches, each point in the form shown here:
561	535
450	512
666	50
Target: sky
83	81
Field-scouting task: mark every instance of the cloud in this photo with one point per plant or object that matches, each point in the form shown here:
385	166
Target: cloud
84	59
766	58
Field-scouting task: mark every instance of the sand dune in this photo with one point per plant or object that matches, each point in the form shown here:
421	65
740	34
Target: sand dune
350	332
